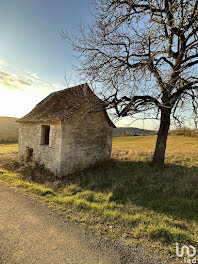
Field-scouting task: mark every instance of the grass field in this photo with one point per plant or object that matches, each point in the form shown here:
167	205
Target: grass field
8	130
126	196
8	149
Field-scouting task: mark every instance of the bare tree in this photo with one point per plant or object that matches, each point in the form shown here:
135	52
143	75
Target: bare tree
145	54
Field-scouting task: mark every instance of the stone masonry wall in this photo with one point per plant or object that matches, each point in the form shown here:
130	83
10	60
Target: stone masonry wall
49	155
87	138
74	144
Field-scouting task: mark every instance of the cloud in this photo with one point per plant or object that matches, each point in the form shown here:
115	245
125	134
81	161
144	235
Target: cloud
34	76
57	85
22	82
38	85
19	80
2	63
31	77
12	82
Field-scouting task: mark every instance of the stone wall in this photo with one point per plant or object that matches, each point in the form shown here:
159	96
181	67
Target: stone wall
87	138
74	144
49	155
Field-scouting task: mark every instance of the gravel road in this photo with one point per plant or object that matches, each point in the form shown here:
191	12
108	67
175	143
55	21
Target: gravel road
31	233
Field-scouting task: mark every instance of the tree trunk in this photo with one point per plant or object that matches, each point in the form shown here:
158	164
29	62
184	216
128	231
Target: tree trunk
160	148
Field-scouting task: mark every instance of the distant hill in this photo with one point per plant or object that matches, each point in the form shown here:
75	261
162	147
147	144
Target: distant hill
131	131
8	130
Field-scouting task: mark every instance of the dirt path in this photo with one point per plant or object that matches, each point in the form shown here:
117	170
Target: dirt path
31	233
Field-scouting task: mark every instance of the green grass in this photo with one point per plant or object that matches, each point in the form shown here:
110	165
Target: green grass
127	197
15	180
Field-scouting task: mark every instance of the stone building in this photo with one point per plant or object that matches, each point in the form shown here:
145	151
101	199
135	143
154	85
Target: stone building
67	131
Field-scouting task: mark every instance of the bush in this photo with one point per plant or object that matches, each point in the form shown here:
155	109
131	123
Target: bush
184	131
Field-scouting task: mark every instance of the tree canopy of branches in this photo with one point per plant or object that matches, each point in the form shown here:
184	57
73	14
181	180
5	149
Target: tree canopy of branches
145	53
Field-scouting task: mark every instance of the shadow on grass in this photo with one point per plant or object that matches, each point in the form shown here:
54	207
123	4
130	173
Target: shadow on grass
172	190
125	192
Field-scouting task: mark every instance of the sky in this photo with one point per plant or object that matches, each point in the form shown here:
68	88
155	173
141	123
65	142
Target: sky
34	56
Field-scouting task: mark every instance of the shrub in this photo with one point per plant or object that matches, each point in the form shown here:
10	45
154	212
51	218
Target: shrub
184	131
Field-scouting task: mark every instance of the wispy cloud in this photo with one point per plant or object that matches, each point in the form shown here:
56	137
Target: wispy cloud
32	77
35	76
38	85
2	63
56	85
12	82
28	87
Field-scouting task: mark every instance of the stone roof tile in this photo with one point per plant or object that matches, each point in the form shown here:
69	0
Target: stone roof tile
62	104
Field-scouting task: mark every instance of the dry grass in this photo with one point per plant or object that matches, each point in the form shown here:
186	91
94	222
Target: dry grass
8	154
8	149
176	145
155	207
8	130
